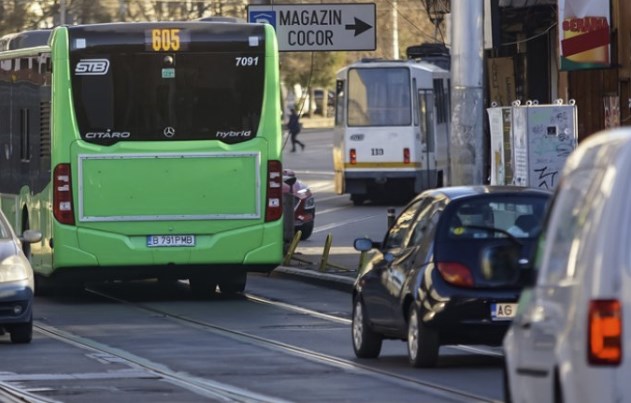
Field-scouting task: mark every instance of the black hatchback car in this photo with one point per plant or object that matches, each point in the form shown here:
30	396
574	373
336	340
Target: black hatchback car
427	281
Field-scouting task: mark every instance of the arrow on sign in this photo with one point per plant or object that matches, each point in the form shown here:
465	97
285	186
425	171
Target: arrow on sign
359	26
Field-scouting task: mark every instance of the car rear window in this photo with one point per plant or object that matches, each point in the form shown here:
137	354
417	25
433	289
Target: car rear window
519	216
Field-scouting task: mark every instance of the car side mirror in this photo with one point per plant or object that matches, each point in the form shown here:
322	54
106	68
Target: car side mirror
31	236
363	244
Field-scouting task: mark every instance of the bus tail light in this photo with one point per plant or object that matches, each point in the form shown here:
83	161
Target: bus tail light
274	209
406	155
62	194
605	333
455	274
352	155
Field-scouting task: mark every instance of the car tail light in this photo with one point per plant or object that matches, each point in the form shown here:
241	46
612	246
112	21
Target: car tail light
352	155
274	209
62	194
406	155
605	332
455	274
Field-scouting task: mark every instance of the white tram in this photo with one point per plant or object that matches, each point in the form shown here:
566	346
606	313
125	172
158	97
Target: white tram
391	129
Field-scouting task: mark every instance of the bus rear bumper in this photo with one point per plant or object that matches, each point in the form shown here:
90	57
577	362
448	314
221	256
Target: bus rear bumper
367	182
106	255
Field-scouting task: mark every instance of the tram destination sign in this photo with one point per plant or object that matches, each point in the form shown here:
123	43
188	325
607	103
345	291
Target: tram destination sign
319	27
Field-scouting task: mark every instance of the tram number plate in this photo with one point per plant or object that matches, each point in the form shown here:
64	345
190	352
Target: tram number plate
504	311
170	240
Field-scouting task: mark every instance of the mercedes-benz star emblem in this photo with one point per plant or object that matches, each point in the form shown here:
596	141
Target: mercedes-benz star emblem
168	132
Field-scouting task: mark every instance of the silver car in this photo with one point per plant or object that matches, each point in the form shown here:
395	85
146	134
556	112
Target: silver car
16	283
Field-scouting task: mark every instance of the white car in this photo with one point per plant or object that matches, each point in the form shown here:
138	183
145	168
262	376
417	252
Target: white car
16	283
570	340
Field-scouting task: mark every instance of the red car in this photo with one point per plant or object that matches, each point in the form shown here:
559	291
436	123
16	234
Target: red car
304	203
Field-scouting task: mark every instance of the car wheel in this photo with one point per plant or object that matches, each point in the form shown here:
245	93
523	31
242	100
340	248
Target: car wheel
366	342
506	385
358	199
22	333
558	389
306	230
422	342
233	284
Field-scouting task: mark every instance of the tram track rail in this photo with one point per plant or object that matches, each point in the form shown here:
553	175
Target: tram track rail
427	387
13	394
204	387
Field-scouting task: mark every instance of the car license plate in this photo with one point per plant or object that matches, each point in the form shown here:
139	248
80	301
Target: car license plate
170	240
503	311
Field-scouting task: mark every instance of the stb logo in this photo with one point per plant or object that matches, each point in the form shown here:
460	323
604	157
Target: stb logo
92	67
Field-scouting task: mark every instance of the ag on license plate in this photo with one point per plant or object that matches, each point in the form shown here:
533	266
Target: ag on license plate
503	311
170	240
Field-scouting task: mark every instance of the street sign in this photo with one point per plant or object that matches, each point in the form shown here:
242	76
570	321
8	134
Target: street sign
319	27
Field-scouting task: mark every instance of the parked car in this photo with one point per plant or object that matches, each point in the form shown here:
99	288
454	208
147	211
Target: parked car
304	203
570	339
318	95
16	283
426	284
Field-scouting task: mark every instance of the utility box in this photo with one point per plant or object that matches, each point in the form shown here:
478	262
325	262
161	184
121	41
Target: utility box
530	142
501	145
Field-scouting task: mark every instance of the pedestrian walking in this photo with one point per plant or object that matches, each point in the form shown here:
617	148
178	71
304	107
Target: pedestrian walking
294	126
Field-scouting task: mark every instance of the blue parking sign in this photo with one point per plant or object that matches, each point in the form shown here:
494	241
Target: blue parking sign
263	17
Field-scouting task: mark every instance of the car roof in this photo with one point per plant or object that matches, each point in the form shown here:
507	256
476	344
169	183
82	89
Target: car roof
459	192
605	148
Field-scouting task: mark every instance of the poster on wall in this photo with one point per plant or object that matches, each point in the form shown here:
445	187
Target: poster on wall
612	111
501	145
501	79
584	34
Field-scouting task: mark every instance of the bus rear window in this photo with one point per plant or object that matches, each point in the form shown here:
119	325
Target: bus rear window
145	96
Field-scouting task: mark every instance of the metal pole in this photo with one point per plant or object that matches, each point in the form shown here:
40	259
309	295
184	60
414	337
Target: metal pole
467	131
395	31
391	217
62	12
122	10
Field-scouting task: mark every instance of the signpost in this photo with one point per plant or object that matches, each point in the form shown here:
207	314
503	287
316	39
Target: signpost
319	27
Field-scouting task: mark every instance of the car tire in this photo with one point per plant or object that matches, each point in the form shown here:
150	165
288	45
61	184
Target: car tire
506	385
22	333
422	342
358	199
306	230
366	342
558	388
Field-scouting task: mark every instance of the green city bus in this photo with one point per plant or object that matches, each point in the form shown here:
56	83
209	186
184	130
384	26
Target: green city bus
144	150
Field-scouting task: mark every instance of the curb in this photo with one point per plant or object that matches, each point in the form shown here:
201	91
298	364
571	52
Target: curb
342	283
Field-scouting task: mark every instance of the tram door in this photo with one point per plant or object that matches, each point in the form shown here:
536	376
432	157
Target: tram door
428	138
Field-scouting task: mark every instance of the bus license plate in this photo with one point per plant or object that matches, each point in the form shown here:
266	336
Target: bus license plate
504	311
170	240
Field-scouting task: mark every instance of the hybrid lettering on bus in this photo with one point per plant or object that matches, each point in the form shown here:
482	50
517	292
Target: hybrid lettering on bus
145	150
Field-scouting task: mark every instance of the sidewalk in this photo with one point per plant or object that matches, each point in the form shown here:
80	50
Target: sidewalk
317	122
339	272
342	281
310	272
